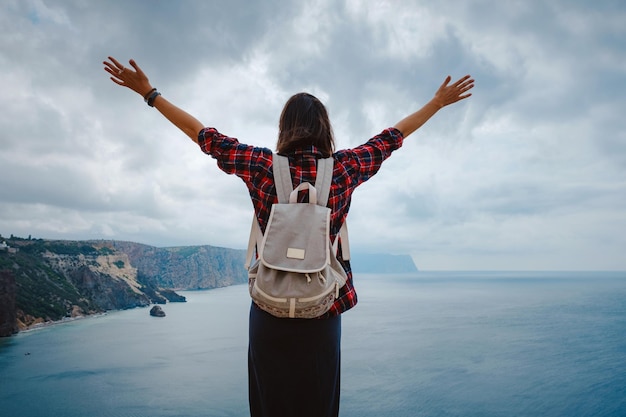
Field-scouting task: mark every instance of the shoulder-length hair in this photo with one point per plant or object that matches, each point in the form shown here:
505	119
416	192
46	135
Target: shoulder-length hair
304	121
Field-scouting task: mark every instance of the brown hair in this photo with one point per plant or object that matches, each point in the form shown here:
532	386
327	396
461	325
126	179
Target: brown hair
304	121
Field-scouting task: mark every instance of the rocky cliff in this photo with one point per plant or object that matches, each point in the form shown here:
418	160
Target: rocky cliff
8	316
186	267
48	280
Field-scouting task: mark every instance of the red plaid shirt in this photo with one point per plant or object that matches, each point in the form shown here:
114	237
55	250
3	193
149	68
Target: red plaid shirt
352	167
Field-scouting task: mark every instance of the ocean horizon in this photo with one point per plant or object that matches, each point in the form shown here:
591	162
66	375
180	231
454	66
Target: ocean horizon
431	343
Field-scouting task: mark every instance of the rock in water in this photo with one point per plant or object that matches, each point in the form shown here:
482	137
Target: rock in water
157	311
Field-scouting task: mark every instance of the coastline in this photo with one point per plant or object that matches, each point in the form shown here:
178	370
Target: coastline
45	324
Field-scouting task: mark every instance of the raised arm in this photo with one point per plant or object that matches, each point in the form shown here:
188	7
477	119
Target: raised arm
138	82
445	95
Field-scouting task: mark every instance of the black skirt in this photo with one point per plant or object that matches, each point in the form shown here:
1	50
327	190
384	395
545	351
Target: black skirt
293	366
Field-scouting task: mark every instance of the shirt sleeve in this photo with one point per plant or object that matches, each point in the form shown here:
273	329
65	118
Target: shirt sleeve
234	157
362	162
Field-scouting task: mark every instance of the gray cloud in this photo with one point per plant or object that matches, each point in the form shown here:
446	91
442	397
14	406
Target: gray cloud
527	174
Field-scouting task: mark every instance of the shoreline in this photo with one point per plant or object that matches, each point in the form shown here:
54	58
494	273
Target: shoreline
43	325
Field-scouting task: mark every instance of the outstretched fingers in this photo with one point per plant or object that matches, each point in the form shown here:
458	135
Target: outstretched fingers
115	62
115	69
463	80
137	69
114	66
462	86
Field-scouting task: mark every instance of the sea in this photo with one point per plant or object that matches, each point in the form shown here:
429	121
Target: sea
483	344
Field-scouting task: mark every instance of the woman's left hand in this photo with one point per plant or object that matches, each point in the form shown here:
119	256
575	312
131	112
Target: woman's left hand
135	80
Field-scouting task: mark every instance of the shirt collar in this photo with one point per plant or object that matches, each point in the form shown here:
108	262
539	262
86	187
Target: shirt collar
306	151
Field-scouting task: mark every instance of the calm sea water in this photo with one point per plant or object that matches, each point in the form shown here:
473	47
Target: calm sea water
427	344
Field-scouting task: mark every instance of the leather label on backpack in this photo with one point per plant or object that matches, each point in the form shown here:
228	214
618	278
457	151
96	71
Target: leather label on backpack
295	253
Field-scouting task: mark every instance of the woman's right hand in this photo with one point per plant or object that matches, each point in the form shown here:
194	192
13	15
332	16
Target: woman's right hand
448	94
135	80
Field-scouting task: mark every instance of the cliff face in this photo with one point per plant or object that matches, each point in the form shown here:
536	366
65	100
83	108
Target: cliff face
8	316
59	279
187	267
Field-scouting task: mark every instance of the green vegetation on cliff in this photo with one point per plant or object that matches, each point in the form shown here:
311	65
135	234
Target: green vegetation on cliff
41	292
56	279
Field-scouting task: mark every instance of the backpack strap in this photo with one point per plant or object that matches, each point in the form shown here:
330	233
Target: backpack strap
323	180
284	186
345	242
253	241
282	177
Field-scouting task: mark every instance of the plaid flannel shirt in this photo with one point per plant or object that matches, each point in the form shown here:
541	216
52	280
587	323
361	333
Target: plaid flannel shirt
351	168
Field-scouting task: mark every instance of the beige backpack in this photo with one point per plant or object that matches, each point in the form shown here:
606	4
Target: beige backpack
296	273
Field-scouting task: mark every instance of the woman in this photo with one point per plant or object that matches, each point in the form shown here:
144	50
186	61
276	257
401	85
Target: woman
294	364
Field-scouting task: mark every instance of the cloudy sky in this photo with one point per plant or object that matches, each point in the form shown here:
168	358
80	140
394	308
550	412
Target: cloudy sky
529	173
